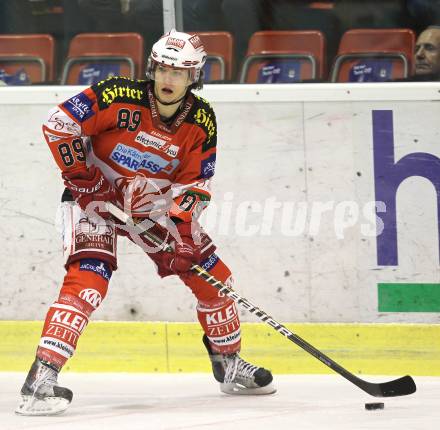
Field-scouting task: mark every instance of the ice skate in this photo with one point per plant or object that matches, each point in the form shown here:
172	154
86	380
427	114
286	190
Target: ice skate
41	394
237	376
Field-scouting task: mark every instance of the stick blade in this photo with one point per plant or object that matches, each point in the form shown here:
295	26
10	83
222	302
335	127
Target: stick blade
399	387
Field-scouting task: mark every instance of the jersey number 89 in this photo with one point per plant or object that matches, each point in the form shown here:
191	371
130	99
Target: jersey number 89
72	152
129	120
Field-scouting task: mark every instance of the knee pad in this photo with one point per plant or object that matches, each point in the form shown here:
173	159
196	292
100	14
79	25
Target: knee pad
86	284
201	289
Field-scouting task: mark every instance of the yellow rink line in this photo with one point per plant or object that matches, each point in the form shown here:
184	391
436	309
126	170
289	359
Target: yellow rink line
382	349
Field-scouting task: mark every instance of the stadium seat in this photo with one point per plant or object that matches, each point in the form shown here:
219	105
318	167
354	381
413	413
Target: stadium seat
27	58
283	57
93	57
219	46
374	55
322	5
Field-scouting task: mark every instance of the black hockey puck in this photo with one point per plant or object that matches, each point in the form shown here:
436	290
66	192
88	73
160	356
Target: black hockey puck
374	406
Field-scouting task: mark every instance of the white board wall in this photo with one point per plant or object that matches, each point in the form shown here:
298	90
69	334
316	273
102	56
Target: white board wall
298	149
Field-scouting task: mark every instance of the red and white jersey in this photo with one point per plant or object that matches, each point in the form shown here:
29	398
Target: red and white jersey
116	126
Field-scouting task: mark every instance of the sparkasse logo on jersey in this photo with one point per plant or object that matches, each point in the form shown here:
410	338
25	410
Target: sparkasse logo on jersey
148	140
135	160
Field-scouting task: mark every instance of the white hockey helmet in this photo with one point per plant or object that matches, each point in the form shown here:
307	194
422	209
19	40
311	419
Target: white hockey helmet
181	50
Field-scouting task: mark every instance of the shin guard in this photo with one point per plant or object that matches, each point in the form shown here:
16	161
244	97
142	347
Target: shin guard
221	325
85	286
217	313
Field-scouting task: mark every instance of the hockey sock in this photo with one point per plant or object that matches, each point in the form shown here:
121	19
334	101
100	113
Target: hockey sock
217	313
85	286
221	325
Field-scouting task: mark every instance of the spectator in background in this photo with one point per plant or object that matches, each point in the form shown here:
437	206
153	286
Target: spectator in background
242	18
423	13
427	55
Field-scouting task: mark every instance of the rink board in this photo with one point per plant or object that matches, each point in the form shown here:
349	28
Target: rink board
331	150
375	349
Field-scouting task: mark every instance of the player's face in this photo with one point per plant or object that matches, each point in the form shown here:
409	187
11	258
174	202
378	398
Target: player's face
427	52
170	83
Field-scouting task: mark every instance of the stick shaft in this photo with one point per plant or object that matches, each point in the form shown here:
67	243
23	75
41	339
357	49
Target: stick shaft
402	386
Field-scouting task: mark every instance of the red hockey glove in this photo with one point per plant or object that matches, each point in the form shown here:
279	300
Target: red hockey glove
87	186
186	252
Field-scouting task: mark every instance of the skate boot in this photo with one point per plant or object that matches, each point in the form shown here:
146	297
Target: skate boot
237	376
40	394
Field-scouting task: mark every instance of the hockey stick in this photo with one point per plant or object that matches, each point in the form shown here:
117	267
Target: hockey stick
398	387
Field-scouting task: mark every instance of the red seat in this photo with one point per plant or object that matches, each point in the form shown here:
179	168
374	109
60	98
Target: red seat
125	51
32	52
322	5
307	48
396	46
219	46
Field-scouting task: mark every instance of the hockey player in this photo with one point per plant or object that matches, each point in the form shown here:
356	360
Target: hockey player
137	144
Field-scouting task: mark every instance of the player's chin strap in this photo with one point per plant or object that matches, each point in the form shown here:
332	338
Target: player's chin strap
398	387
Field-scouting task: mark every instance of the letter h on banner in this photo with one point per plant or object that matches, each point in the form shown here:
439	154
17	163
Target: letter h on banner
388	175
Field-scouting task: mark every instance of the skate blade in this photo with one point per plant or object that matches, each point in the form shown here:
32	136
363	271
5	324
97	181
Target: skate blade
240	390
30	406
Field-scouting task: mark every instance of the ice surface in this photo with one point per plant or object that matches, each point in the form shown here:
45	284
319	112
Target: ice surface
193	401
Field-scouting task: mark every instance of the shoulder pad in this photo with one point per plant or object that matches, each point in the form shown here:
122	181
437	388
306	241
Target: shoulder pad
120	90
201	99
203	115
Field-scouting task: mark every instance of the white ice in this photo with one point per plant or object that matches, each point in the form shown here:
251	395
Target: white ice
193	401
